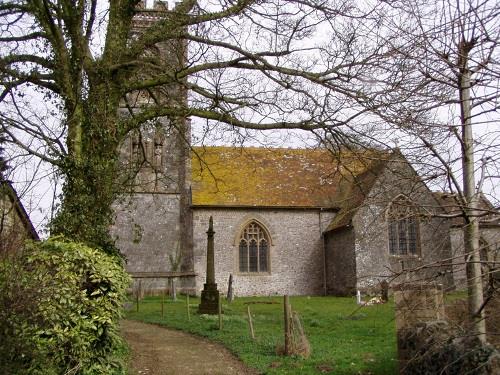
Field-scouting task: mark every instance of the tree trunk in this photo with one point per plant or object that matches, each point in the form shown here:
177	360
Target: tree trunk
471	232
90	171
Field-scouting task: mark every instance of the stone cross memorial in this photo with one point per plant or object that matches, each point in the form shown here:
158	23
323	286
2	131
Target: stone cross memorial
210	295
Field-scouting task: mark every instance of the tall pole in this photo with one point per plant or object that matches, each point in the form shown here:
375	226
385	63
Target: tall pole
471	231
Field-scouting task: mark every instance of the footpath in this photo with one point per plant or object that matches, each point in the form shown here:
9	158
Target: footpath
157	350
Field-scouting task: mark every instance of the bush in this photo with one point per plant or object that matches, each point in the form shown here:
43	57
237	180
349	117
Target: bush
60	303
437	348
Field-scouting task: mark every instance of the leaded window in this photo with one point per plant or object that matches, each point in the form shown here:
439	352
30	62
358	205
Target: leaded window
403	228
253	249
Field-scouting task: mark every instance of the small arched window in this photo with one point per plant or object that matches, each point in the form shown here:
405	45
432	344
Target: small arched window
403	228
147	146
253	249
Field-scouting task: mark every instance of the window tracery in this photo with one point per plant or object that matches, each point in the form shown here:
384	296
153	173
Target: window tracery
403	227
253	249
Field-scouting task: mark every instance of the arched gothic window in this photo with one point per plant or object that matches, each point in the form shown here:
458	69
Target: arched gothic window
253	249
147	148
158	151
403	228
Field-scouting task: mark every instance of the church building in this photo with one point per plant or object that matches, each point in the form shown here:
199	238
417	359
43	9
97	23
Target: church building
286	221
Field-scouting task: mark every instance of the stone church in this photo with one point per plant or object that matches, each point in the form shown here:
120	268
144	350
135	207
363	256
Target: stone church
286	221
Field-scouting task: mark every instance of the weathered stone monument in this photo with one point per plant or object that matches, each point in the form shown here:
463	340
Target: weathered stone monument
418	302
230	294
210	295
415	304
384	291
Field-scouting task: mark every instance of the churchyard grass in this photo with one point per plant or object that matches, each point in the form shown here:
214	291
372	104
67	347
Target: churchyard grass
341	343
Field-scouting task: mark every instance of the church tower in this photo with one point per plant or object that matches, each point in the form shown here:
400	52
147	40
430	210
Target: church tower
152	225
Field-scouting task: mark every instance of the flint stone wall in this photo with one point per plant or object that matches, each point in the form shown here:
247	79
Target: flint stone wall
373	260
296	260
340	262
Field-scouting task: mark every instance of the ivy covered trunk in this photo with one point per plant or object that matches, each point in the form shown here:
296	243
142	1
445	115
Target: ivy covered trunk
90	171
91	86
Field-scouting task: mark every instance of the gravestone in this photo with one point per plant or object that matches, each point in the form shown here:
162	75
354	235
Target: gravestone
415	304
384	291
230	289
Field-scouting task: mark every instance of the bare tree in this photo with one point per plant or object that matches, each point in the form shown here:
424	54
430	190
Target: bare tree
67	67
442	82
3	162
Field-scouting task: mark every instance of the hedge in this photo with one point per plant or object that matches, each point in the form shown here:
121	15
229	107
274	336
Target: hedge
60	306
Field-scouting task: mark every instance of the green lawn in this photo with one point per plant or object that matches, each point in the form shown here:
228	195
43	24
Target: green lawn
363	343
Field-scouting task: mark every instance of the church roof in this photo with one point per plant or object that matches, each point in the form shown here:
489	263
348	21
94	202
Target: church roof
355	194
450	203
281	177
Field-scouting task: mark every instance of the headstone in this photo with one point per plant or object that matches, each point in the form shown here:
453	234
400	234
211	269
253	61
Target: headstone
230	289
415	304
384	291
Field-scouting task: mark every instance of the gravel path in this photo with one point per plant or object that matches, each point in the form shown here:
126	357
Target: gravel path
160	351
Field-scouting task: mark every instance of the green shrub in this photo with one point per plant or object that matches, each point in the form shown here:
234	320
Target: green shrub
60	303
437	347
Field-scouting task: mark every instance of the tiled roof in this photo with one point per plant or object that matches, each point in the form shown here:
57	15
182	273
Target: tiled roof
451	205
278	177
356	192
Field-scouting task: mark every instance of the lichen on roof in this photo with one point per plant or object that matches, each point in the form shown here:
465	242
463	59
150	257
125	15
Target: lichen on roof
277	177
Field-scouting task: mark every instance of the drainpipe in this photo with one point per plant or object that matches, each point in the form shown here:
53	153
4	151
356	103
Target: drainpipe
324	250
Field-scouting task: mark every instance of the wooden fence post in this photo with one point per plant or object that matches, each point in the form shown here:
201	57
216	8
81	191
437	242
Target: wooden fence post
139	292
250	323
163	304
187	306
286	311
220	312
